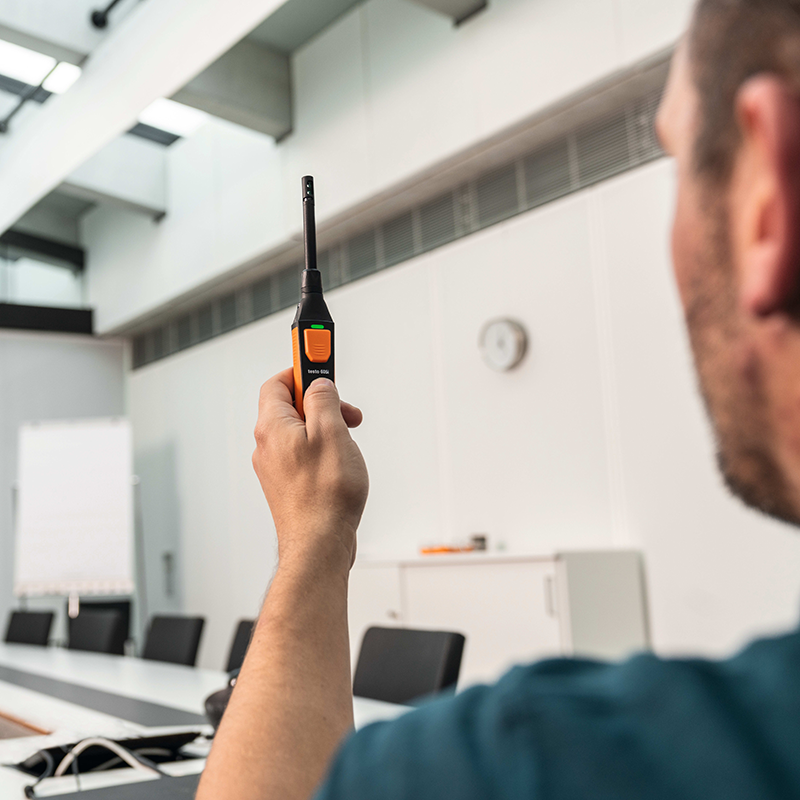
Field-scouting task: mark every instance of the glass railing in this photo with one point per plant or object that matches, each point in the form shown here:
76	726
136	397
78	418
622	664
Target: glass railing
26	281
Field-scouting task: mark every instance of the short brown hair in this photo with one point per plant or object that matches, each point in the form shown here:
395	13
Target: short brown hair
729	42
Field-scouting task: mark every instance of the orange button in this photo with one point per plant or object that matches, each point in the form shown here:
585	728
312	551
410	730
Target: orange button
318	345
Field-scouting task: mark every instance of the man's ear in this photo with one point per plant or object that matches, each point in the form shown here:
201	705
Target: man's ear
765	196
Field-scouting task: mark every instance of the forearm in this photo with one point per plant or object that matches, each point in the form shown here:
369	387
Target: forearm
293	702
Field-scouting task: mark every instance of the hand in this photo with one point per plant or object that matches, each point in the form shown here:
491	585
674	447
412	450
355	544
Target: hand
312	473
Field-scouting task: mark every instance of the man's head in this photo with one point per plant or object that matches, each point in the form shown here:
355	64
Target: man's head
731	118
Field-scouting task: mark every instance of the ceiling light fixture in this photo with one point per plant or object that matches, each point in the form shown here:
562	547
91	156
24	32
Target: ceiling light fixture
173	117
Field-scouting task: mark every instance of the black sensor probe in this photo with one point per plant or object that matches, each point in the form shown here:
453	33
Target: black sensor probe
312	329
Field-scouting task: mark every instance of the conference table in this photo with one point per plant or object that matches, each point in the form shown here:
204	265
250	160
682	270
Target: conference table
69	695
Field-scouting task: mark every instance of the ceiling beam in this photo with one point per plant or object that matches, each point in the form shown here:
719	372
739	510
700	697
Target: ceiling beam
248	85
117	84
59	29
129	172
297	21
53	49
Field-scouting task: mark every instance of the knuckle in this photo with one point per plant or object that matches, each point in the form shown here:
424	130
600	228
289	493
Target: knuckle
321	388
260	433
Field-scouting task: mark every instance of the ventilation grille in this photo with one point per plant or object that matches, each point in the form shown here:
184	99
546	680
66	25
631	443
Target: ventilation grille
605	147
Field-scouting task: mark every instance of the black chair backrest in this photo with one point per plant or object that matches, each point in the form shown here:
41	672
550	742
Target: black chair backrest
97	630
29	627
123	607
173	639
241	640
399	665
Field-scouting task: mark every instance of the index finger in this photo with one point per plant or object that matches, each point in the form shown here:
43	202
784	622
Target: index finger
277	396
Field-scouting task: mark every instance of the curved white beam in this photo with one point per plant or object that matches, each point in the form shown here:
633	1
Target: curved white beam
157	49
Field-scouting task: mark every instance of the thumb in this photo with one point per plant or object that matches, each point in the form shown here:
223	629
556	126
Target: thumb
322	407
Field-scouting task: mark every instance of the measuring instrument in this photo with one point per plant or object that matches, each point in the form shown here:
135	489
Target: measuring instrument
312	329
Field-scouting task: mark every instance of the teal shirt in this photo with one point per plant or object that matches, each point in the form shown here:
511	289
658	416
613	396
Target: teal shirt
649	728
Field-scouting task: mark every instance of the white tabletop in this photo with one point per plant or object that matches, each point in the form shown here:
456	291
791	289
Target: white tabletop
170	685
167	684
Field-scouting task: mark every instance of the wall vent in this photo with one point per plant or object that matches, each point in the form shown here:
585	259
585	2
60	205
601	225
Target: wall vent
616	141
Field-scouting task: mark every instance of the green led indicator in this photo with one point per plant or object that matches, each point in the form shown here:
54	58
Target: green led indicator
319	327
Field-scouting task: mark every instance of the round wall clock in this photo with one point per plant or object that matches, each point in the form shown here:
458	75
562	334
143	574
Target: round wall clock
503	343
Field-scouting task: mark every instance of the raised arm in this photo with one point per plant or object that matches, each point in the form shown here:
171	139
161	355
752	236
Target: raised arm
292	704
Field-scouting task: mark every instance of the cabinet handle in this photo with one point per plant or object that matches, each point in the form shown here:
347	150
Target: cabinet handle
549	596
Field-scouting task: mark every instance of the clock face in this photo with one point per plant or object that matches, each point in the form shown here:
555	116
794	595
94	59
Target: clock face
503	343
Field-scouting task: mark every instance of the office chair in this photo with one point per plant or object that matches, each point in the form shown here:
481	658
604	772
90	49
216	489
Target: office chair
29	627
240	643
123	607
399	665
97	630
173	639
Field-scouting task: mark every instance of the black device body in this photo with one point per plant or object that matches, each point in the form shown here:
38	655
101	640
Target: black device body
312	329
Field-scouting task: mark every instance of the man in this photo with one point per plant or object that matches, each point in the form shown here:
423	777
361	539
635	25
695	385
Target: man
647	728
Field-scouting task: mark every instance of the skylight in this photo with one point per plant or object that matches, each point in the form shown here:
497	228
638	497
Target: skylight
61	78
24	65
173	117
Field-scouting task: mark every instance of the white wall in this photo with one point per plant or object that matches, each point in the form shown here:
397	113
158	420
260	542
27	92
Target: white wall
224	207
597	440
56	377
390	89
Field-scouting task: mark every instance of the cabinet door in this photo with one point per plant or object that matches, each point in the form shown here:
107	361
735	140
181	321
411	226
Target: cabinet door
373	599
505	611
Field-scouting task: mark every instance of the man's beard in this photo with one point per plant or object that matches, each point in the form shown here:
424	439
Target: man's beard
732	382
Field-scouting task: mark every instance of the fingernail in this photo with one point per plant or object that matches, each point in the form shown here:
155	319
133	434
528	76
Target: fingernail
322	383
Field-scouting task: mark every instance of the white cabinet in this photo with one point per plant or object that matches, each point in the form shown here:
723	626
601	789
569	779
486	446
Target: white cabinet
502	609
511	609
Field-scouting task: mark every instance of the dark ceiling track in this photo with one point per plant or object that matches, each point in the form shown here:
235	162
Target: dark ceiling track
20	88
28	94
99	17
75	257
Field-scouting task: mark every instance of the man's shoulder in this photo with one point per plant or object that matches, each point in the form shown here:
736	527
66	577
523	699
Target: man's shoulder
566	728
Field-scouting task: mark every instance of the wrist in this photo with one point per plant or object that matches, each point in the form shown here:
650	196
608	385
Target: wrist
316	552
308	584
